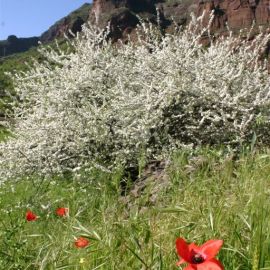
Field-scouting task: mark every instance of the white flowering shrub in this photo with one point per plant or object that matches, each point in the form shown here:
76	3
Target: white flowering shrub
103	103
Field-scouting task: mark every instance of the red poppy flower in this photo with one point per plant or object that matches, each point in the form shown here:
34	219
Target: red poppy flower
81	242
30	216
62	212
199	257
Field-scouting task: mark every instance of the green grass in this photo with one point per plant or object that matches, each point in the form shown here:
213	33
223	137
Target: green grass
4	134
208	196
10	64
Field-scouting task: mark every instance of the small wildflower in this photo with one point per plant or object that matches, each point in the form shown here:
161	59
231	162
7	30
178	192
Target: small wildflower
81	242
62	212
30	216
82	260
199	257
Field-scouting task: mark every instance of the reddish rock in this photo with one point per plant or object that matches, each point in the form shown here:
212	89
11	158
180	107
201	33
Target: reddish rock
177	12
103	9
237	14
73	22
123	14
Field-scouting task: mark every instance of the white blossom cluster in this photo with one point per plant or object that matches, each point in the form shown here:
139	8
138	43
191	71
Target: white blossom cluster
104	103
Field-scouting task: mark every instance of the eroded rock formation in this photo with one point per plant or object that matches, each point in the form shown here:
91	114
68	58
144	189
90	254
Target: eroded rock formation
123	16
237	14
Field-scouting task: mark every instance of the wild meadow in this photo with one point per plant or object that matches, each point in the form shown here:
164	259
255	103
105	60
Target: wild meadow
86	124
208	196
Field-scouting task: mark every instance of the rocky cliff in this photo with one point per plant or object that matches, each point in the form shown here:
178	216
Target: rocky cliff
237	14
72	21
123	17
122	14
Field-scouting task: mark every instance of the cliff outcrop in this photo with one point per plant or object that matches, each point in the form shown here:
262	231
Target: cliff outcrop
72	21
237	14
123	16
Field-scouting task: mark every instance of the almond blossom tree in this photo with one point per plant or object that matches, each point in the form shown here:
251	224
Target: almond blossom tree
101	103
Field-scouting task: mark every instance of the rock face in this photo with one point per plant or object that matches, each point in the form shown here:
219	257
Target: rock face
123	18
178	11
122	14
62	28
103	9
237	14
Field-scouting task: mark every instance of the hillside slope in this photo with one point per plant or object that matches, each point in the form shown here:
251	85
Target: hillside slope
72	21
123	18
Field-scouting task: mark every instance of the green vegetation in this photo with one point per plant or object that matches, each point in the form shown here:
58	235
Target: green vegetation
82	12
4	134
16	62
19	62
209	196
11	64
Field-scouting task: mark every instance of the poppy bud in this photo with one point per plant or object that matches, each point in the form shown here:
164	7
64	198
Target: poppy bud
30	216
81	242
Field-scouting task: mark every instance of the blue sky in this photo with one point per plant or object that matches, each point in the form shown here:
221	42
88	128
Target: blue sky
26	18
